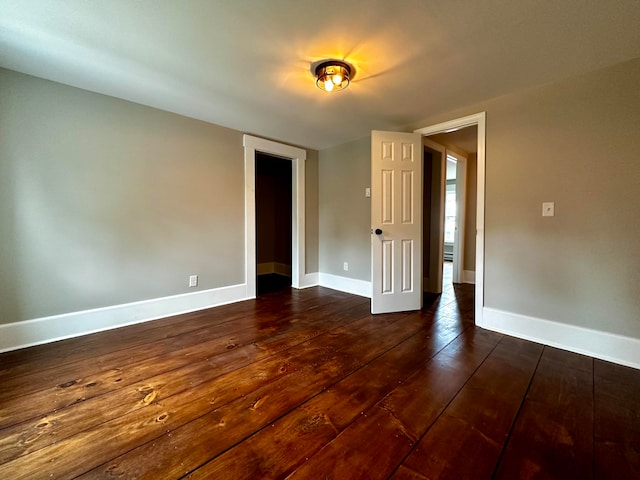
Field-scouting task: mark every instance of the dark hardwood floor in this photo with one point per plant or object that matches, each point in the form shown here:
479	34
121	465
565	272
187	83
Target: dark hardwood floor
307	384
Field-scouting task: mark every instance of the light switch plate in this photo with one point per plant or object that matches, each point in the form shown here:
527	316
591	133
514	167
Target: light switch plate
548	209
367	192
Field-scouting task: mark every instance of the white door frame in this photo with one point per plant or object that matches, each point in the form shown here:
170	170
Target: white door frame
478	119
297	157
435	284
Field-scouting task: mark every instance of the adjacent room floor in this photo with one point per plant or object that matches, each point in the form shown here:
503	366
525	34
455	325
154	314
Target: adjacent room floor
307	384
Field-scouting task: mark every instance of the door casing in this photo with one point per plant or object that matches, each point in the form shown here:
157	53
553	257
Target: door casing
297	156
478	119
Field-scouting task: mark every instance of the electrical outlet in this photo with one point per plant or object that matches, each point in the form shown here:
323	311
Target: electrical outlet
345	266
548	209
193	281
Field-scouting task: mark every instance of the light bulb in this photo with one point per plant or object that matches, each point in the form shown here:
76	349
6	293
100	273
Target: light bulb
333	75
328	84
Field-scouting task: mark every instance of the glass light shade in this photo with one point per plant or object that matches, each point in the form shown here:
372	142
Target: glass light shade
333	75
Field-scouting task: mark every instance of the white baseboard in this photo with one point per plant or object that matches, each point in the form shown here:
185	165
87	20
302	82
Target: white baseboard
309	280
469	276
345	284
273	267
50	329
602	345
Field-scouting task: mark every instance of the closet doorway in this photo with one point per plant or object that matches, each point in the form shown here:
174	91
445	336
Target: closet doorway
274	211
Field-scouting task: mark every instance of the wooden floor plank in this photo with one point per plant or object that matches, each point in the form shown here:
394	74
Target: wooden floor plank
279	448
187	386
404	473
551	437
82	348
141	341
87	347
617	421
24	438
123	433
466	440
389	430
306	383
196	442
81	382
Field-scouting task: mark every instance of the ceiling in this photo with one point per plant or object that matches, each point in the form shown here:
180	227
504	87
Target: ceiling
245	64
465	139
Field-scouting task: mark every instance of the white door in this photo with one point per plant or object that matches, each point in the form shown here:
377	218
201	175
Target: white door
396	221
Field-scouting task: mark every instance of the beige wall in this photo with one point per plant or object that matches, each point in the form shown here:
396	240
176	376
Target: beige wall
104	202
311	206
575	143
345	213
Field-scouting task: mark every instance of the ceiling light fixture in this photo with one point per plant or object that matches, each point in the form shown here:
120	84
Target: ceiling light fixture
333	75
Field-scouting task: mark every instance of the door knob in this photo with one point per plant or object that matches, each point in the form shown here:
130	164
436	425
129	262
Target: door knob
378	231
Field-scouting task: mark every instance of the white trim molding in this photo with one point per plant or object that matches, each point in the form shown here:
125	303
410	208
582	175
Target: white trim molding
594	343
297	157
345	284
59	327
310	280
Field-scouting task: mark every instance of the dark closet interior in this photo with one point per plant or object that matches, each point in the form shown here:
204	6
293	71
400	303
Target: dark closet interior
273	222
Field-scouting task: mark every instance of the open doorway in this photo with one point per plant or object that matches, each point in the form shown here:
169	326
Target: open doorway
297	156
273	202
460	201
449	209
452	215
476	190
395	292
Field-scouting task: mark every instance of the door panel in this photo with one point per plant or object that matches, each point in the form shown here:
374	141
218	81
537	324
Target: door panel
396	209
387	266
407	265
407	197
387	197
